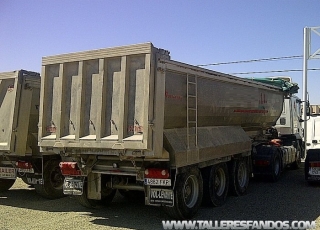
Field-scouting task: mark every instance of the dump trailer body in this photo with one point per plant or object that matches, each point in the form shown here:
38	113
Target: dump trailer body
19	114
129	118
128	98
19	95
20	155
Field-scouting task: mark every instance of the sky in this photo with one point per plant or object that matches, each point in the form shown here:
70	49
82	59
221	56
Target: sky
195	32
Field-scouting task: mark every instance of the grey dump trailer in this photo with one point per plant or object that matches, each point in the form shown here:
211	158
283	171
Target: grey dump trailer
131	119
19	151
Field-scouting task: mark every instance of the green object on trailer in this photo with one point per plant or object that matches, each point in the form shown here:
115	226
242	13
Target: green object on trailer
285	85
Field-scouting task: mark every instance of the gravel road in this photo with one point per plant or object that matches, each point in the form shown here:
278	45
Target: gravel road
289	199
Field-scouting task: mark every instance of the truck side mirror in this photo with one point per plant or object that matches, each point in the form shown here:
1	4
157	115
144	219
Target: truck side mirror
308	109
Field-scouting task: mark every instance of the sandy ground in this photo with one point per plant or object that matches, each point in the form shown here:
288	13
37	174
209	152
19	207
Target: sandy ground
290	199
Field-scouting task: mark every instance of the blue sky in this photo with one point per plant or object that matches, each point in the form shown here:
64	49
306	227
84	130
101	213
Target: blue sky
195	32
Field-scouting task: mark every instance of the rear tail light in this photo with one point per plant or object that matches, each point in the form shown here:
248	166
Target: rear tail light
275	142
261	162
314	164
156	173
69	168
23	165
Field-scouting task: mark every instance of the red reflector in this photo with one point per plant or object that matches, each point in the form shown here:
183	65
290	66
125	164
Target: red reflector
23	165
69	168
156	173
314	164
262	162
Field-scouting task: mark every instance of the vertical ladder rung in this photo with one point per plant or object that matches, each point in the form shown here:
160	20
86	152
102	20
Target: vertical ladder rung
189	122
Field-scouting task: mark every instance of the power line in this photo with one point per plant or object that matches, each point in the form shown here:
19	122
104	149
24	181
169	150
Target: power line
256	60
275	71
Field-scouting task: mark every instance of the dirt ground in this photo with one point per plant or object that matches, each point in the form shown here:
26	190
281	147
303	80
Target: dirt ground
290	199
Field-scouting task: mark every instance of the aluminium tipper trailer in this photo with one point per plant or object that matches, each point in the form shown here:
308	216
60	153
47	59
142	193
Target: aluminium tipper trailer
19	151
131	119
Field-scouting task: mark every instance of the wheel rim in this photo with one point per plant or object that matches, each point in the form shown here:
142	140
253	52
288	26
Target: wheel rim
220	182
191	191
276	166
242	175
56	178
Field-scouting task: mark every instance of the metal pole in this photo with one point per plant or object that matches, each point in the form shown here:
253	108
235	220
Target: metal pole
306	53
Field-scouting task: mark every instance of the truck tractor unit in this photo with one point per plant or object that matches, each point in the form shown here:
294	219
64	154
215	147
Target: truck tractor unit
131	119
19	151
286	135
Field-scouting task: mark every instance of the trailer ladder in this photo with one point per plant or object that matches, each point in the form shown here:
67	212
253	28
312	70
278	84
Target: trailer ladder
192	109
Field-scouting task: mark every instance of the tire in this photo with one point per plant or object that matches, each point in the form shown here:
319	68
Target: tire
51	188
296	164
239	177
216	185
107	195
306	168
6	184
275	167
188	195
25	180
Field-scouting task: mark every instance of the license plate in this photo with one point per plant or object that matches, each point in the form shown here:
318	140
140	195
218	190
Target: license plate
25	170
314	171
158	182
161	196
7	173
73	186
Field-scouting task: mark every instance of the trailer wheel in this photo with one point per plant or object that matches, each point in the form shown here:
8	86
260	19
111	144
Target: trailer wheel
107	195
6	184
306	168
188	195
275	167
51	187
239	177
216	184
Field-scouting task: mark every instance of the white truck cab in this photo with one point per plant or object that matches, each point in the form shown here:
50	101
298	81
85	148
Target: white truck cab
289	121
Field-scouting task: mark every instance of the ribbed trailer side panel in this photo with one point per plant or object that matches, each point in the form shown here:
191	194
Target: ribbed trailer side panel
100	101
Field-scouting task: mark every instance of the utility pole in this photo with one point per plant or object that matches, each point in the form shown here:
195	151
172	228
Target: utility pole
308	55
